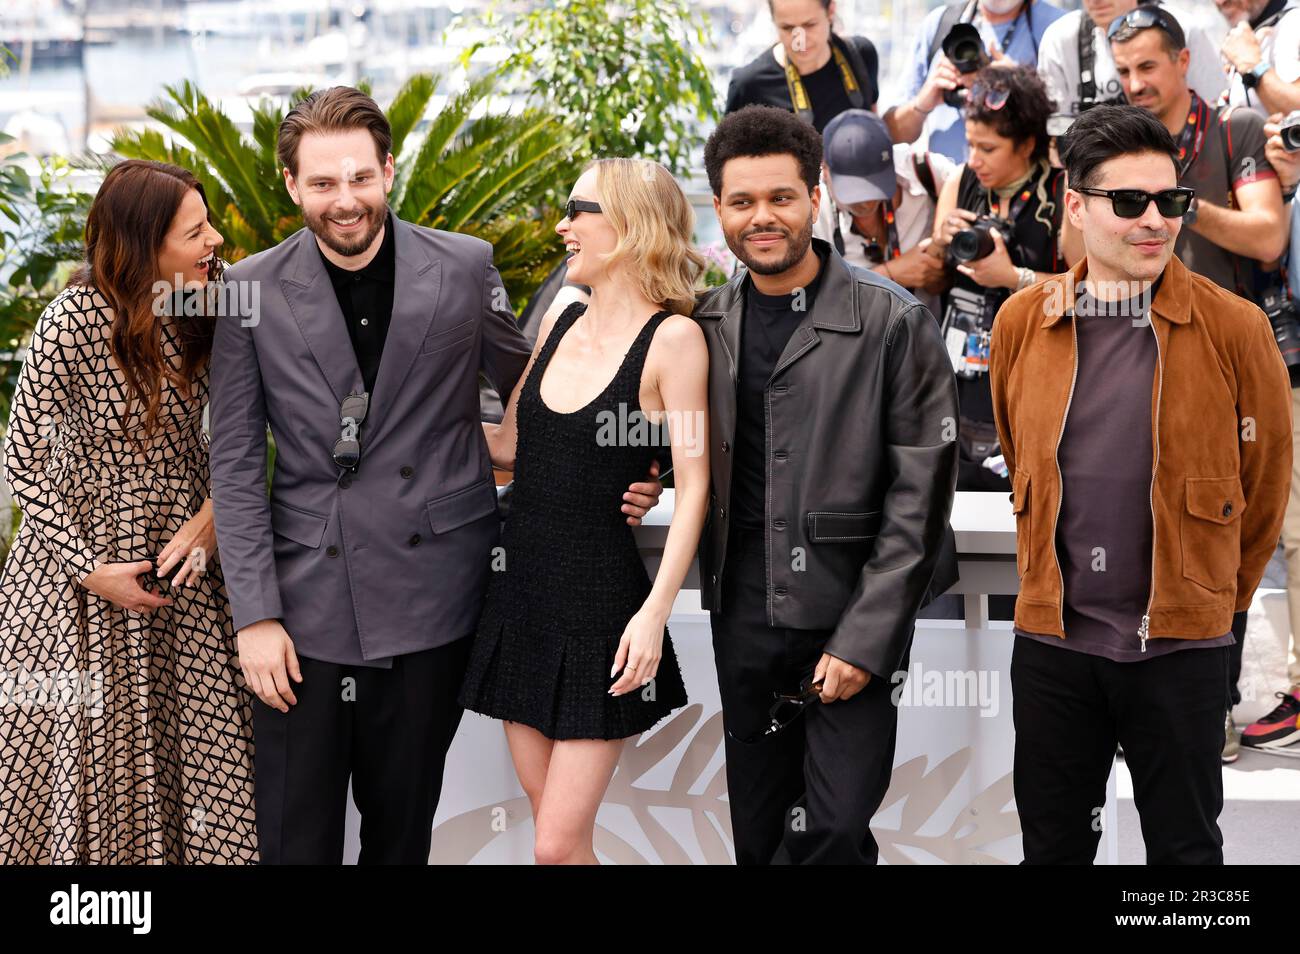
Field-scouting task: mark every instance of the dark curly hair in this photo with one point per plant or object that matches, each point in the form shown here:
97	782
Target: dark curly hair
1023	115
763	131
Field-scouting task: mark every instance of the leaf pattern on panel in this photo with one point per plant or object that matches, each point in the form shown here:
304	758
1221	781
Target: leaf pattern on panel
985	821
459	839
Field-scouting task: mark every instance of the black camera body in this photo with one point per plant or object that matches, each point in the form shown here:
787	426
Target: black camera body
1290	131
964	48
1280	308
976	242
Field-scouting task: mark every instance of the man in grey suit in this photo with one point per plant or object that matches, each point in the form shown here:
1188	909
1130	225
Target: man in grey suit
356	585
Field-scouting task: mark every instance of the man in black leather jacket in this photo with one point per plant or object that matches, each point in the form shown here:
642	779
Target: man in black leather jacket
834	459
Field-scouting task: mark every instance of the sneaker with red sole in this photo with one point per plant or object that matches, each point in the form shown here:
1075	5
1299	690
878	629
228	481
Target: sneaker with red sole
1280	727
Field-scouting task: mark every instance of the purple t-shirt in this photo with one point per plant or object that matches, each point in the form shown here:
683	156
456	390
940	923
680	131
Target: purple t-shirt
1104	534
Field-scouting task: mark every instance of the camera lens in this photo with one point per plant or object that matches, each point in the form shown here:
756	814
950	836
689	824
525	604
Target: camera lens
971	244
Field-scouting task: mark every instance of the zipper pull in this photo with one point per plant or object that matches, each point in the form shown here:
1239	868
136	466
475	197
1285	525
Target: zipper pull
1143	630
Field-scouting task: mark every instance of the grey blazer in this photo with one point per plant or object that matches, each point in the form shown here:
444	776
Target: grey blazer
393	559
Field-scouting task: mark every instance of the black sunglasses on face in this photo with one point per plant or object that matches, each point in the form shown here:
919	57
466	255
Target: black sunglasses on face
347	449
574	206
1131	203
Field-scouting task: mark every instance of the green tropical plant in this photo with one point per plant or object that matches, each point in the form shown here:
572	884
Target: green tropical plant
628	71
42	221
465	169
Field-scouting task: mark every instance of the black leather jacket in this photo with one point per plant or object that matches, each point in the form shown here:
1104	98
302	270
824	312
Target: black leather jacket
862	463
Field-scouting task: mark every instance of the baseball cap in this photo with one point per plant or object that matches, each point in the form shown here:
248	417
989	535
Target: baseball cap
860	157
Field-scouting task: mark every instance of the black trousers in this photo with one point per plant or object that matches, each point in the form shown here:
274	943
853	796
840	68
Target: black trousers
806	794
1234	656
1071	709
387	729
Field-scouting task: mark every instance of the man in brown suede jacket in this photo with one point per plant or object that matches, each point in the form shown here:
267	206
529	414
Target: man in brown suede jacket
1145	416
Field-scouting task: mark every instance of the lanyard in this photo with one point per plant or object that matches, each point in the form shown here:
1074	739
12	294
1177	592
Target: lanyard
1005	42
893	247
799	95
1018	204
1026	13
1193	134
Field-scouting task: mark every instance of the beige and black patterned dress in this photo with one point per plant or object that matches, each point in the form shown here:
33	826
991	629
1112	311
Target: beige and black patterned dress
125	738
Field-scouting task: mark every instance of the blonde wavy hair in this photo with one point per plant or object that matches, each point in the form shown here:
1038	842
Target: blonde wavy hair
654	223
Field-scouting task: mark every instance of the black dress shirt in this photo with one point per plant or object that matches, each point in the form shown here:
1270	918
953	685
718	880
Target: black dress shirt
366	299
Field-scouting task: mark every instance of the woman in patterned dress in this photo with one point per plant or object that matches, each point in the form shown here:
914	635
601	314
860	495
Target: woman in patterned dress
125	733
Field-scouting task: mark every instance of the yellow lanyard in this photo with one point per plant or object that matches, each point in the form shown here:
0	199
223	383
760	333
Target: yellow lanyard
799	95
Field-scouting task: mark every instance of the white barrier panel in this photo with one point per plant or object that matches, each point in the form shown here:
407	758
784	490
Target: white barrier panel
951	799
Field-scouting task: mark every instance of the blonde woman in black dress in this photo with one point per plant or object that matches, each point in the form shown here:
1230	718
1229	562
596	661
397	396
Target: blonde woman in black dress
572	651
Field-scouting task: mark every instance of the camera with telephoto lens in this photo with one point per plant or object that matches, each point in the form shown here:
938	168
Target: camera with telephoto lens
1290	132
1280	308
976	242
964	48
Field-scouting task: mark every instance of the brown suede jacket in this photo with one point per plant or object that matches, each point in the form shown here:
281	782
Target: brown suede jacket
1221	433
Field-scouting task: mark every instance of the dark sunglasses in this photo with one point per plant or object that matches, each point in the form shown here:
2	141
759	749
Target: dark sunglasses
347	449
1145	17
787	708
574	206
1131	203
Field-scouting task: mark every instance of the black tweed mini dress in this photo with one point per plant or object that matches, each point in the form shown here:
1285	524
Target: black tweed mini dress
572	576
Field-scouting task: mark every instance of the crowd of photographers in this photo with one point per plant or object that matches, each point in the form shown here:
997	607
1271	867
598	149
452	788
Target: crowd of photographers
956	192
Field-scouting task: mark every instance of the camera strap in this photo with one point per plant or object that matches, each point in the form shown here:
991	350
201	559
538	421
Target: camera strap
799	94
1024	13
965	13
1087	61
1225	130
893	247
952	14
1192	137
1225	133
1019	202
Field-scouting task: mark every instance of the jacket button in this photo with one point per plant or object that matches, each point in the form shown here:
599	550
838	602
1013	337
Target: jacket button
415	540
780	455
778	524
407	472
715	579
1227	509
331	551
722	513
780	389
780	591
725	447
345	481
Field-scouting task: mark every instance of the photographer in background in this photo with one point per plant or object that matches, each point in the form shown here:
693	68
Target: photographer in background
1010	30
1236	220
997	223
811	71
878	210
1263	52
1075	62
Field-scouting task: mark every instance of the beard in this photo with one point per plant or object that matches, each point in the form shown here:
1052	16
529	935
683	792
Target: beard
798	248
320	227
